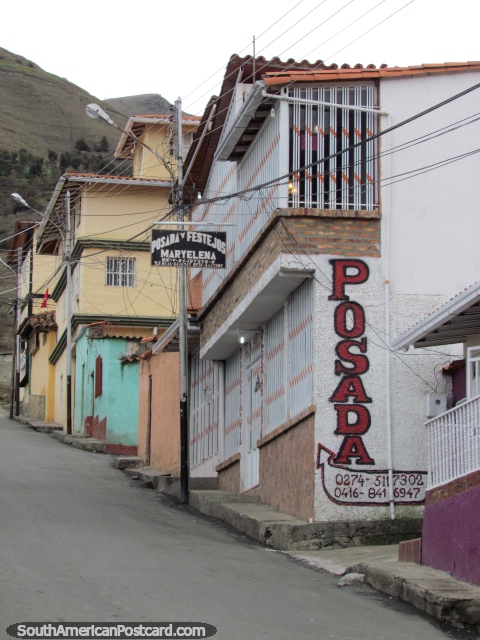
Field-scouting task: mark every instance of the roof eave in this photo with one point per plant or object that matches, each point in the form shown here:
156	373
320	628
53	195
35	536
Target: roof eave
442	316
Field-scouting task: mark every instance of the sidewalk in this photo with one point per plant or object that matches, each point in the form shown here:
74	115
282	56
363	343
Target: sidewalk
434	592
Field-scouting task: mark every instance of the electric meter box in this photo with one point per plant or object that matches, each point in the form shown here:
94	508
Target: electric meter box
436	404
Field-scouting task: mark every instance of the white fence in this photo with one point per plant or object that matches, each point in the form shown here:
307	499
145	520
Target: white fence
454	443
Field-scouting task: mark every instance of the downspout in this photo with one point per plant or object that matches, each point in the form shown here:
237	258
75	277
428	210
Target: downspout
388	383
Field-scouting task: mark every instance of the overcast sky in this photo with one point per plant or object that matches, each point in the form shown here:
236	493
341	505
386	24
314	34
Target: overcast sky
114	49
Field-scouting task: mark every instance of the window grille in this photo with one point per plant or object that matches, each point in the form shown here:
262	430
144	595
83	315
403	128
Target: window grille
120	272
348	180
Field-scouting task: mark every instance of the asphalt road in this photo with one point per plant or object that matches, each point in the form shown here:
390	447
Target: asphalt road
82	542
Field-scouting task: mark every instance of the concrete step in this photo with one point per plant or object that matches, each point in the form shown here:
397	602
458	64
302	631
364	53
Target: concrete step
39	425
151	477
128	462
87	444
287	533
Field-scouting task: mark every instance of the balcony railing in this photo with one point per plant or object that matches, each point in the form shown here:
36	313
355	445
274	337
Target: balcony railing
454	443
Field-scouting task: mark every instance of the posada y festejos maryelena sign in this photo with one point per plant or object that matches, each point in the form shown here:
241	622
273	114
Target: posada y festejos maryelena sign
201	249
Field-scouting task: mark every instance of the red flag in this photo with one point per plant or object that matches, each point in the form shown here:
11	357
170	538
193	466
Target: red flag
44	301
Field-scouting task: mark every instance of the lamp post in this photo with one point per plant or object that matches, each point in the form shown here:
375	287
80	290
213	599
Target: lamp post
182	317
95	111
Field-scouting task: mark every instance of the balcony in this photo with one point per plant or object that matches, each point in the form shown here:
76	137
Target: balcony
454	443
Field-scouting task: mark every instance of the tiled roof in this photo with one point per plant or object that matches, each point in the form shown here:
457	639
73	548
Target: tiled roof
164	116
273	72
137	125
45	321
238	70
359	72
22	234
98	176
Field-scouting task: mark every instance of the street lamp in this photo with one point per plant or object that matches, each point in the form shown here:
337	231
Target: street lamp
95	111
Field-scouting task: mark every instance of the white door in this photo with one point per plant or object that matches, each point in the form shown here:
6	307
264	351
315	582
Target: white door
253	411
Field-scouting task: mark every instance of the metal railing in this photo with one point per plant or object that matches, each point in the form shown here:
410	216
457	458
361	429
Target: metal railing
454	443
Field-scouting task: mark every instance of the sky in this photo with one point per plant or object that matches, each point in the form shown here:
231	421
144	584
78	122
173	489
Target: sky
181	49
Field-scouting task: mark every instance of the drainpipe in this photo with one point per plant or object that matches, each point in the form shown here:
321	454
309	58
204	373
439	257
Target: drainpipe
388	383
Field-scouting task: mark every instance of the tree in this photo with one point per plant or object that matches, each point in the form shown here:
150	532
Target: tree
52	157
81	145
103	146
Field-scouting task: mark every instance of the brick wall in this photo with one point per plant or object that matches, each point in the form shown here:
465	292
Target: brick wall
453	488
287	470
229	478
313	231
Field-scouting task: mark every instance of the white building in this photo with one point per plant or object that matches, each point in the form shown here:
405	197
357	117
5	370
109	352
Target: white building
341	240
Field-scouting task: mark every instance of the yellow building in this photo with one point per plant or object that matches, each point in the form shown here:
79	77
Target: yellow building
36	321
113	282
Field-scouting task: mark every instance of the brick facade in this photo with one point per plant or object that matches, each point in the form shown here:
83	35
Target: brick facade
293	231
453	488
287	470
229	478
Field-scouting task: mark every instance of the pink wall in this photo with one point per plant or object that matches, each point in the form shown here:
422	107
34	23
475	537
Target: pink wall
165	401
451	534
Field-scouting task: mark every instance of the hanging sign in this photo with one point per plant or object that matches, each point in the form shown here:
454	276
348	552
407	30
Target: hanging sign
201	249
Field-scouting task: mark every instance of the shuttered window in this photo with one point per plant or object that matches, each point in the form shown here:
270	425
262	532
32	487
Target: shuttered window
98	376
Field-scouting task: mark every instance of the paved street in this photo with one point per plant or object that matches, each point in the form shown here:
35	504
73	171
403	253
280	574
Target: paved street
81	542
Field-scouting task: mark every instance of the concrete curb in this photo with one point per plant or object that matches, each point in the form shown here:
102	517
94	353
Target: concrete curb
79	442
286	533
434	592
38	425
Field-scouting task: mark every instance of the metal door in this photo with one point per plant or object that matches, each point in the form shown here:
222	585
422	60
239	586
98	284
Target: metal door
253	426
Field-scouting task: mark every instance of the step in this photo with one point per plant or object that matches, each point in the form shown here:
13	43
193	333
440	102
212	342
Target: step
128	462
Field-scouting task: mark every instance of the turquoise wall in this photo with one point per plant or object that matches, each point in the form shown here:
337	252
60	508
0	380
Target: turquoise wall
119	399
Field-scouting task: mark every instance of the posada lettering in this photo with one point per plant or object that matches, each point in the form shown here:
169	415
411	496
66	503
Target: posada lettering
353	418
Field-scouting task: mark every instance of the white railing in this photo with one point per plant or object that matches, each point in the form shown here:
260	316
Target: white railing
454	443
345	181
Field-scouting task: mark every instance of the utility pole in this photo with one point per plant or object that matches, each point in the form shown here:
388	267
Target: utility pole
67	253
182	315
19	315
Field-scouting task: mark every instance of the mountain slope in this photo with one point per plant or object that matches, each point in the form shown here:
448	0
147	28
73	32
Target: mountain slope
40	111
133	105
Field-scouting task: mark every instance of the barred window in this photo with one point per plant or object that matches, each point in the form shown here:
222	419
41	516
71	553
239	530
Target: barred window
120	272
348	179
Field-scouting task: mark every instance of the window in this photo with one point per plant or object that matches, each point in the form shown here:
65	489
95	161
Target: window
120	272
98	376
346	180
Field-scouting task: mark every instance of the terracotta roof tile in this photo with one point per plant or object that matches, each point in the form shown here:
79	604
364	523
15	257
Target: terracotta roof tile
97	176
165	116
358	72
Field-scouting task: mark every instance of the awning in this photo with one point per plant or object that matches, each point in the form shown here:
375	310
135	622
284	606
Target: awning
170	340
256	311
450	324
239	135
